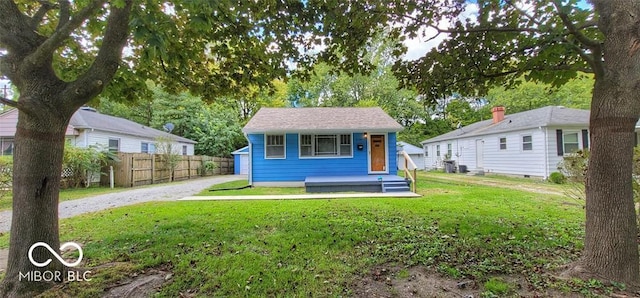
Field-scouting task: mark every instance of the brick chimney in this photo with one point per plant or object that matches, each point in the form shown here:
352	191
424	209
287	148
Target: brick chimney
498	114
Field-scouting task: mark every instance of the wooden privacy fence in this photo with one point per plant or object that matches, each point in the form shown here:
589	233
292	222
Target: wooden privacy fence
136	169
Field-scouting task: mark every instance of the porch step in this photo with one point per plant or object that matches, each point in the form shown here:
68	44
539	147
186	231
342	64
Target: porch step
397	186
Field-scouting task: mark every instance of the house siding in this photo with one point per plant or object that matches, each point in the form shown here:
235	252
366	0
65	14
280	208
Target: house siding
514	160
128	144
462	151
292	168
541	161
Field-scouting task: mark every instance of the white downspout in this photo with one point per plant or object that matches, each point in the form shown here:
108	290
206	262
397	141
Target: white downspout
546	152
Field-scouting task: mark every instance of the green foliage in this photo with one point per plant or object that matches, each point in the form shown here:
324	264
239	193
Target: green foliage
208	167
503	45
215	126
574	166
576	93
557	178
81	166
6	175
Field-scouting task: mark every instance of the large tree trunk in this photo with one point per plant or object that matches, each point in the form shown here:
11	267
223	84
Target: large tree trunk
611	239
39	145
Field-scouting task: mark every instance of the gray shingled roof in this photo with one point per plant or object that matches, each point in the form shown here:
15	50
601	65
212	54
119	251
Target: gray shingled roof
542	117
410	149
90	119
321	120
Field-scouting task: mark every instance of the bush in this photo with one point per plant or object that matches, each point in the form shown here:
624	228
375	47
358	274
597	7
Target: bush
81	165
6	175
557	178
208	167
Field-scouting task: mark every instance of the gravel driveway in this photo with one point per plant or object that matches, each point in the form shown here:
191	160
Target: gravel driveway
162	192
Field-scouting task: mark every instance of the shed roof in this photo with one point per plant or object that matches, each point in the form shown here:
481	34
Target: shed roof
542	117
410	149
321	120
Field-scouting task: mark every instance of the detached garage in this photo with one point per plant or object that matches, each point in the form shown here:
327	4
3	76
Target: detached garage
241	161
416	154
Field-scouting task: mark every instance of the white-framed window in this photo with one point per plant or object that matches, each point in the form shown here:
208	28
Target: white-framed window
426	151
527	143
503	143
274	146
146	147
438	150
184	150
328	145
570	142
114	145
449	150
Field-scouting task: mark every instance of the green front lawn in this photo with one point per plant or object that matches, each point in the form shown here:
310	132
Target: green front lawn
321	247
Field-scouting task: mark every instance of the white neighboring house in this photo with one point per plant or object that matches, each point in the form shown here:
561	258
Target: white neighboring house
416	154
529	143
88	127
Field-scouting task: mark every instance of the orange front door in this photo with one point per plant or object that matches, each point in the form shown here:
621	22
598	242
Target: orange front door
378	158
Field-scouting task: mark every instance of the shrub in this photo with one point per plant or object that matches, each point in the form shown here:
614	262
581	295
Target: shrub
81	165
208	167
6	175
557	178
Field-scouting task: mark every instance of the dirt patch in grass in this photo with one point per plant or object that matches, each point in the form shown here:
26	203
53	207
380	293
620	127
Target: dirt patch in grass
420	281
145	285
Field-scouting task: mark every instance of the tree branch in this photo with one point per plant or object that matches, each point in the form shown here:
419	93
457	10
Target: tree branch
65	13
39	15
479	30
16	33
524	13
572	27
46	49
8	102
107	61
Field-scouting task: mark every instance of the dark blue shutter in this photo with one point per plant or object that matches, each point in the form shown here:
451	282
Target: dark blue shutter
559	144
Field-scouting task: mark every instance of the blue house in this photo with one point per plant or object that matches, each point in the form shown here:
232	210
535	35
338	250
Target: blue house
335	148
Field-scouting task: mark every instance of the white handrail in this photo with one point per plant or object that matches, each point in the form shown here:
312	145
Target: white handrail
407	173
